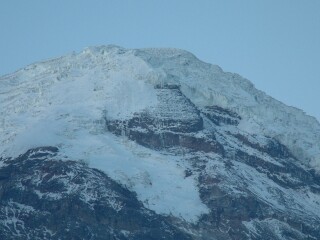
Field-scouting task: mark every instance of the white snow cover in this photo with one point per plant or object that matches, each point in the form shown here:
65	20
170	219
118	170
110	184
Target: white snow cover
46	103
159	180
63	102
207	85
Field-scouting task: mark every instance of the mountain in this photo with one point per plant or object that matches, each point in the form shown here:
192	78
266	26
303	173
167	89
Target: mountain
114	143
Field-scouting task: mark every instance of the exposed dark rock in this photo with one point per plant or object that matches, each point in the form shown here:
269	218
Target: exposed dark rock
220	115
287	174
174	113
42	198
273	148
231	215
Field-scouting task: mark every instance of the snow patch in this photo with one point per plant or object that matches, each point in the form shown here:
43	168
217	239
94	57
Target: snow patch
158	180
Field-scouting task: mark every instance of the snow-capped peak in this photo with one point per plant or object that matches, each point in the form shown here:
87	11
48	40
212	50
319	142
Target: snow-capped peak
120	81
65	101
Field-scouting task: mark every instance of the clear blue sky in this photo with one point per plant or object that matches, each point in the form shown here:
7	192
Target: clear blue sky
273	43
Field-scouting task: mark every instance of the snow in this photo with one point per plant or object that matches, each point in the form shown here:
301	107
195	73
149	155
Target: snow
68	94
158	179
275	226
63	102
207	85
298	203
11	219
117	82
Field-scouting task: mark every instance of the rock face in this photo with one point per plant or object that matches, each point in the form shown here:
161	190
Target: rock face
43	198
172	123
175	166
251	185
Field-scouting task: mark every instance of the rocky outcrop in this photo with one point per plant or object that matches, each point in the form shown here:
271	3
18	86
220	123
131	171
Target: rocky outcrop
238	207
219	115
172	123
46	198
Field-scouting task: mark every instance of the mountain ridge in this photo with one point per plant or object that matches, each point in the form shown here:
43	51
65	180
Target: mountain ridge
257	106
200	151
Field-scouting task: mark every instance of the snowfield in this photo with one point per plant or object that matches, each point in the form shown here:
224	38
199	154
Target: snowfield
64	102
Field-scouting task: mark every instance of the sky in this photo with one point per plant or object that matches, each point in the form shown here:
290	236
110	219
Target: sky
275	44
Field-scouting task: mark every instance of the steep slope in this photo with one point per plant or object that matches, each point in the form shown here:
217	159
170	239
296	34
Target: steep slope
187	150
49	199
